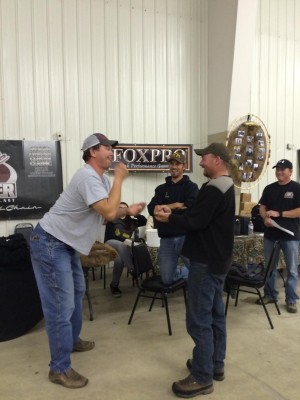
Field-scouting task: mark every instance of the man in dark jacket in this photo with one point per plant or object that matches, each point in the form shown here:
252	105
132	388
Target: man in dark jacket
178	193
209	243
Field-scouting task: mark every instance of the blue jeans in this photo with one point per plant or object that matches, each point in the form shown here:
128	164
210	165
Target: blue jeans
169	252
61	285
206	322
290	251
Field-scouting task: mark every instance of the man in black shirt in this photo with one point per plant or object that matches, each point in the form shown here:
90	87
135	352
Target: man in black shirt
209	243
280	202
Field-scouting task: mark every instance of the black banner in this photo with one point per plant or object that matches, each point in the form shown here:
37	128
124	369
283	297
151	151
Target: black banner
151	158
30	178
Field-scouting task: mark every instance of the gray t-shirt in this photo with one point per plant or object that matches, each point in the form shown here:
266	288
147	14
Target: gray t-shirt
71	219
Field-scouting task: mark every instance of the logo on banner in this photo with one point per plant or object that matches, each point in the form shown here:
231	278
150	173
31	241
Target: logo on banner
8	179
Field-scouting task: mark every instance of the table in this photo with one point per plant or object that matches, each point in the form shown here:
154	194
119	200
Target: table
246	247
252	246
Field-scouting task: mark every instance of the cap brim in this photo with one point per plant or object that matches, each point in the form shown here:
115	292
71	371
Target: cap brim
199	152
282	167
176	159
111	143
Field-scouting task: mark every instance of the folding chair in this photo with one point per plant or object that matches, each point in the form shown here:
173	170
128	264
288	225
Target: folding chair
25	229
151	287
100	255
235	282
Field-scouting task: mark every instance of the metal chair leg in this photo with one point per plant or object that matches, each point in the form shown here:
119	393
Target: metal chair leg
87	292
134	307
165	297
265	308
103	275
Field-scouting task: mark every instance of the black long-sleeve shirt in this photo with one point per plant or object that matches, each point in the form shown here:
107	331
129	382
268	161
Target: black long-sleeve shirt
210	225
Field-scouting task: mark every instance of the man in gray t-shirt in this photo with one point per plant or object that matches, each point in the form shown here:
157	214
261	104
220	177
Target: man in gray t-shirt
69	228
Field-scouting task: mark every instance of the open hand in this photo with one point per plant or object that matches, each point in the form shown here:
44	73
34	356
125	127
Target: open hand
137	208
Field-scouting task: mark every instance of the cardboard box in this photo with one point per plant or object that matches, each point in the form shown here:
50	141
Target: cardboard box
245	213
247	206
245	197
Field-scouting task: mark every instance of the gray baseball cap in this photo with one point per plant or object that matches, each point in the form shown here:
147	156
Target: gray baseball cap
97	138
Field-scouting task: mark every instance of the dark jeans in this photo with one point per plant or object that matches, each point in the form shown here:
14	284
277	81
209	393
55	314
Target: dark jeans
206	322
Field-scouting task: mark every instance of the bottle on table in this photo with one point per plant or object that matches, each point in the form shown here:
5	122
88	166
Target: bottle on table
250	227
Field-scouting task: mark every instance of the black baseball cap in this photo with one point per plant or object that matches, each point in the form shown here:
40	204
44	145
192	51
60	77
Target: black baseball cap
283	164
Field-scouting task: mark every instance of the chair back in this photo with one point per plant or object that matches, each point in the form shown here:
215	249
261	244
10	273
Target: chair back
25	229
142	262
272	260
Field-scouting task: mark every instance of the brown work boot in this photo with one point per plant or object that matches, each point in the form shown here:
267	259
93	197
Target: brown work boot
218	375
291	308
188	387
83	345
69	379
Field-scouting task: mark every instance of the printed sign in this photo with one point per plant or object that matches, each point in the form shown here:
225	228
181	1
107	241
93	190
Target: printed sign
30	178
150	158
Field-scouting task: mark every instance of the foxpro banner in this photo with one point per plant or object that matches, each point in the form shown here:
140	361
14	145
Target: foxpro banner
150	158
30	178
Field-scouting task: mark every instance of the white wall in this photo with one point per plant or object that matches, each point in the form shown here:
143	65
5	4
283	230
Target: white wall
133	69
275	89
261	69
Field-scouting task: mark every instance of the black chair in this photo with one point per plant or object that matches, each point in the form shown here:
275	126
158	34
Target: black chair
151	287
234	282
25	229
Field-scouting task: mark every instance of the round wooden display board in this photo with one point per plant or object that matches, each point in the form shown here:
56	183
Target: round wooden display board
249	142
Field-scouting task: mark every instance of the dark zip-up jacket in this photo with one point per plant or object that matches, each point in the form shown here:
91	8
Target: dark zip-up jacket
184	191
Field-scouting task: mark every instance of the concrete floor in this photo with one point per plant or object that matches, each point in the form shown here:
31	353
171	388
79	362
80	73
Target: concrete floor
140	361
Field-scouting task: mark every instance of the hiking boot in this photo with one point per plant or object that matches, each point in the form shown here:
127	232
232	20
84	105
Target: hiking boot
83	345
69	379
291	308
115	291
188	387
267	300
218	375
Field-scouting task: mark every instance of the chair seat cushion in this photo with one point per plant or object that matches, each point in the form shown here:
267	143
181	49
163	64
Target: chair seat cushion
252	274
155	284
